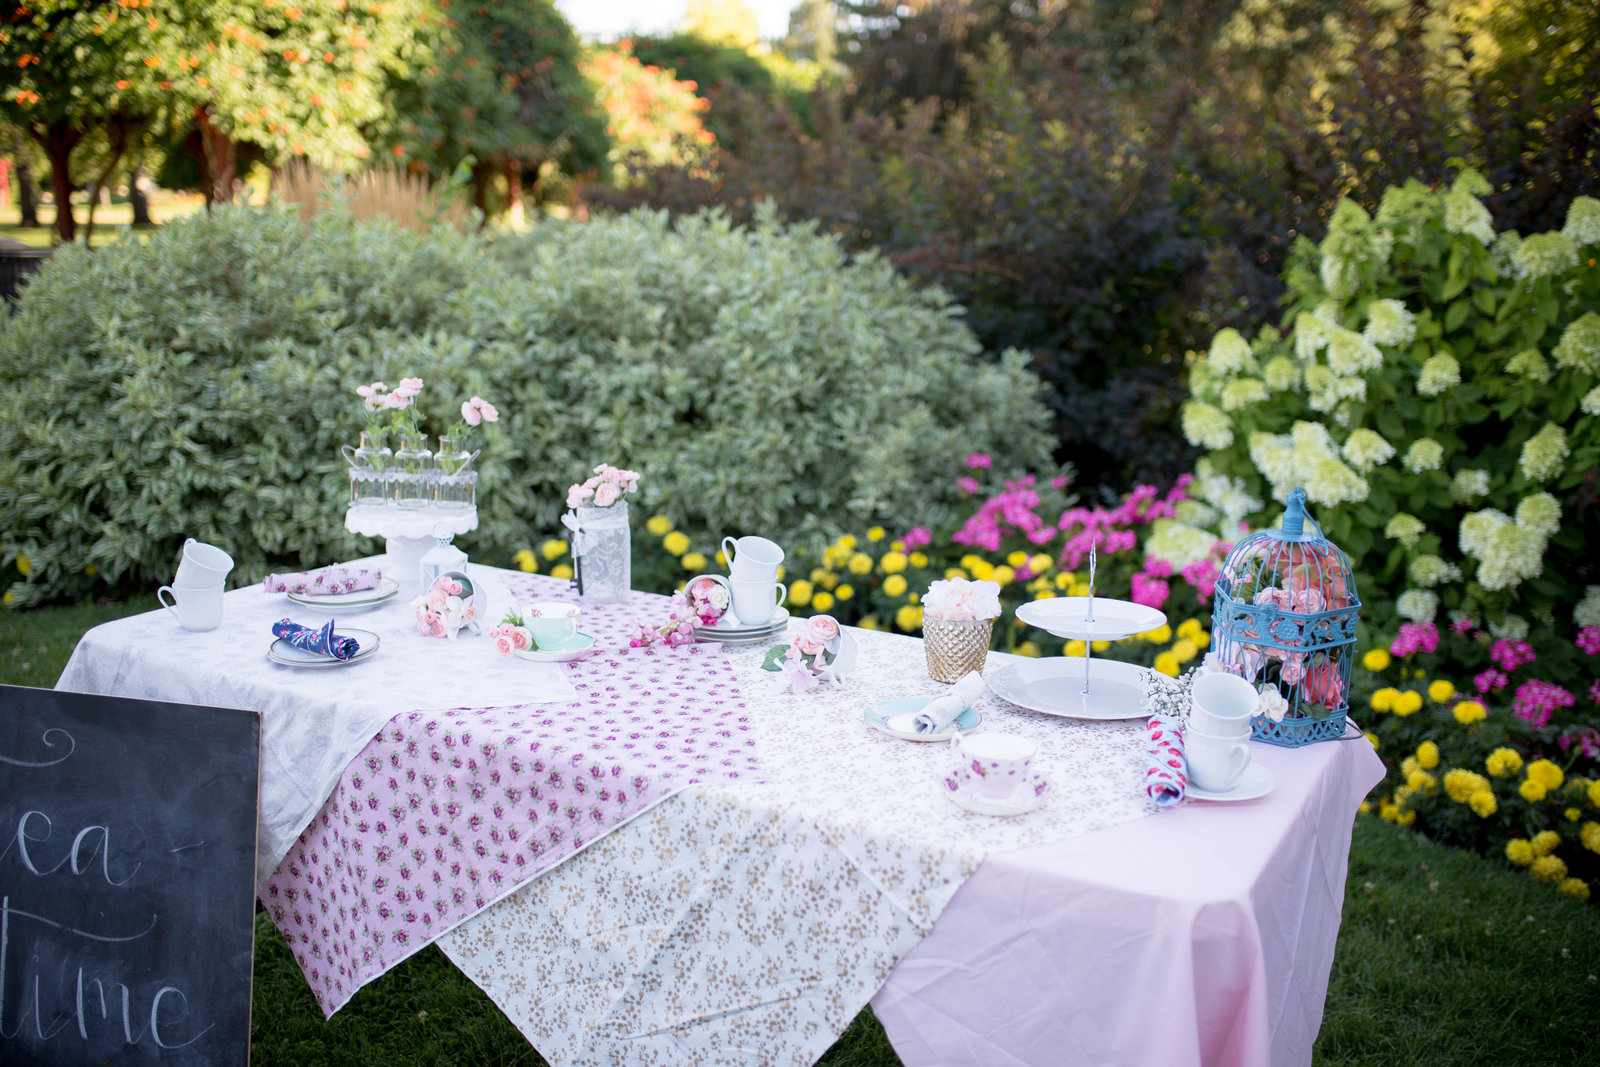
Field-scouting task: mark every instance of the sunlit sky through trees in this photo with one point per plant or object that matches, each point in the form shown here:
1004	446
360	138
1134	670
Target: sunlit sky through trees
608	19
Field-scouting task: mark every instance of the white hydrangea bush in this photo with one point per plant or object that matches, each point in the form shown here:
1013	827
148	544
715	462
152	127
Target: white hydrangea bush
1436	392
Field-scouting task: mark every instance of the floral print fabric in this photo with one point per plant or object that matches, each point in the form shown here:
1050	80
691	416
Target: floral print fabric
1166	772
324	581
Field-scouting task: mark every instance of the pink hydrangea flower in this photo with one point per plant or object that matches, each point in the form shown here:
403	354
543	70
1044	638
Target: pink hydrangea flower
968	484
1490	680
1415	637
1508	655
1202	575
979	461
1151	592
1537	700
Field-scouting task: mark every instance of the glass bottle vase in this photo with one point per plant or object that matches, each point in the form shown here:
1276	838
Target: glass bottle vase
412	477
455	482
369	470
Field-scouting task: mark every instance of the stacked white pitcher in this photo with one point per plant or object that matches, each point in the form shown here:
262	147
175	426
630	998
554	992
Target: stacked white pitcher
196	592
753	564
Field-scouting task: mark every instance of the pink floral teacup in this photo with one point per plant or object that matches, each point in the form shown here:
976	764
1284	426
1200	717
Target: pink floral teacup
995	765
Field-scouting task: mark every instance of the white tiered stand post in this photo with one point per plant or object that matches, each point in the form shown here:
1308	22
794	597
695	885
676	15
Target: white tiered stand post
410	532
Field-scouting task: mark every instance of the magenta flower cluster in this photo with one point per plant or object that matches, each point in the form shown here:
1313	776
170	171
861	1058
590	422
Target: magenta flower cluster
1508	655
1012	509
1589	639
1415	637
1491	680
1536	700
1112	529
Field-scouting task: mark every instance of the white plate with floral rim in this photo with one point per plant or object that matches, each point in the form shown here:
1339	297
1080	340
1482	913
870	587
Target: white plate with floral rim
1067	616
283	653
359	600
897	718
568	650
1056	687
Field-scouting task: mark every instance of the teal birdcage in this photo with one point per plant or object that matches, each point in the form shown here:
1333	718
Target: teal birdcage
1285	619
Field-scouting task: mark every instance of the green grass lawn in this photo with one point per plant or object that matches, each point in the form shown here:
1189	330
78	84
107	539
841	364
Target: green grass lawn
1444	958
164	205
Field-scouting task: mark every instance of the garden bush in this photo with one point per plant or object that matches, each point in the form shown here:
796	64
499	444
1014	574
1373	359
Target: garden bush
201	383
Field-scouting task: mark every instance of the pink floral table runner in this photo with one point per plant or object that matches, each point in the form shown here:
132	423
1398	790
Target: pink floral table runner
445	813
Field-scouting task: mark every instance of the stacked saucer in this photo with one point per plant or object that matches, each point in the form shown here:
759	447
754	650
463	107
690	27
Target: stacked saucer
730	631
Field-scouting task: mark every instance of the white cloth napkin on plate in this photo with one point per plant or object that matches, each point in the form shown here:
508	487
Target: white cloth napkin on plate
943	710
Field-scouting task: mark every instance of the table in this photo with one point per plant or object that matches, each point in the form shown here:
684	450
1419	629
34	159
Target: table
748	920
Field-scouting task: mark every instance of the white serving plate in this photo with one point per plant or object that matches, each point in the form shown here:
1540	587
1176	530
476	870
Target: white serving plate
360	600
285	654
1256	781
1065	616
1055	687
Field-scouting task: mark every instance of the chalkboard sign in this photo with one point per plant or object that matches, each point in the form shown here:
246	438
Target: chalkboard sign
127	870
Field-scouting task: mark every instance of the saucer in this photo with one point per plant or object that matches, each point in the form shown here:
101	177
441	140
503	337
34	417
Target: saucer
568	650
895	718
359	600
1256	781
1021	802
730	624
287	655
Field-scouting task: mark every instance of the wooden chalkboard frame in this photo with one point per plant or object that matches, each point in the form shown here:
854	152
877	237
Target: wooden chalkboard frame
127	879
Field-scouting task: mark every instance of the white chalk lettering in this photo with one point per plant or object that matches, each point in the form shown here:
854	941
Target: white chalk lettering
76	859
45	737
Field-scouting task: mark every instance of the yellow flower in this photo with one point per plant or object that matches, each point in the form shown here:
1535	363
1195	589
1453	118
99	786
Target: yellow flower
893	562
1409	766
908	618
970	561
800	593
1159	636
954	572
24	564
845	591
1405	818
1408	703
8	598
1039	562
553	549
1483	803
1376	659
828	581
894	585
1545	842
822	600
1101	646
1503	762
870	622
1028	648
676	542
1428	755
1575	887
1383	699
1422	782
1573	814
1167	664
1189	628
90	569
1531	791
919	559
846	543
1365	808
818	574
1065	580
1002	575
1079	589
658	525
1046	594
914	598
877	533
1388	811
1017	559
1460	784
782	570
1202	639
897	546
1594	793
1468	712
526	561
860	563
1074	647
1185	649
694	561
1590	836
1520	851
1371	737
562	571
1551	869
1546	773
1441	691
983	570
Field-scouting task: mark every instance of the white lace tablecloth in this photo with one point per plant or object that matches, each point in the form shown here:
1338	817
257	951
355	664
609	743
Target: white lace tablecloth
313	722
750	923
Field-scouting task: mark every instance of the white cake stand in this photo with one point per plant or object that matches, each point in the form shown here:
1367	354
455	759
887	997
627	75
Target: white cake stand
410	533
1089	694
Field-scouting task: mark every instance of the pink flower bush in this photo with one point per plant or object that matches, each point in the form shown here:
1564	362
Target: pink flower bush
1491	681
1508	655
1589	639
1537	700
1202	575
979	461
1415	637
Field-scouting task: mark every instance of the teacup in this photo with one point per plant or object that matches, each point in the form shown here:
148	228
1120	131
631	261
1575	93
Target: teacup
202	565
1223	704
1216	762
194	608
551	622
756	602
751	558
996	763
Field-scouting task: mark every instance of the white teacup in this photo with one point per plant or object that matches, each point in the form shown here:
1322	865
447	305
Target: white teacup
551	622
997	763
1216	762
202	565
194	608
751	558
1223	704
756	602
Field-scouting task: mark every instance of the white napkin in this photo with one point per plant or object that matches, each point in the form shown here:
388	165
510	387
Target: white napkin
943	710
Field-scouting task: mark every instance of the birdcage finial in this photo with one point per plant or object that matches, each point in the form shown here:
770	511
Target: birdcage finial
1294	517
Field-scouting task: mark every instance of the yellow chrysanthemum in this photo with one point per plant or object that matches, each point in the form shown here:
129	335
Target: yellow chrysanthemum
658	525
1202	639
1503	762
1575	887
1422	782
1428	755
970	561
1028	648
562	571
1079	589
1572	814
1376	659
553	549
1065	579
526	561
1383	699
1168	664
1185	649
1039	562
1468	712
822	600
1532	791
1372	737
1589	834
1594	793
1002	575
893	562
817	575
1440	691
1405	818
860	563
908	618
1551	869
1017	558
954	572
1189	627
1074	647
1483	803
1545	842
1409	766
845	591
800	592
1546	773
1159	636
919	559
1460	784
1408	703
1101	646
877	533
983	571
676	542
847	543
828	581
694	561
782	570
1364	808
870	622
895	585
1520	851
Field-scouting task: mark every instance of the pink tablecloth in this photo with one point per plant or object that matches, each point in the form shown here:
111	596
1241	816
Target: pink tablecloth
444	813
1202	936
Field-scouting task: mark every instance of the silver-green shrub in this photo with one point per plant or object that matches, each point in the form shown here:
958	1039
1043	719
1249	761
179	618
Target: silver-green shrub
200	384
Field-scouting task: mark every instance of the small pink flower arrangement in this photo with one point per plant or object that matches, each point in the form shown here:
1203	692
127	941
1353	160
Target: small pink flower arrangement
445	608
822	652
958	599
511	634
676	629
708	599
607	486
377	399
473	413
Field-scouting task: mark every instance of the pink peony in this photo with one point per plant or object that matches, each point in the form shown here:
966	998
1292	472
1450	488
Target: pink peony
469	414
606	494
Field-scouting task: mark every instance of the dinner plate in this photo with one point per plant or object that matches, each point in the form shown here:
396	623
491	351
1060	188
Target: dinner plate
1022	800
1055	687
1064	616
1256	781
287	655
895	718
570	649
359	600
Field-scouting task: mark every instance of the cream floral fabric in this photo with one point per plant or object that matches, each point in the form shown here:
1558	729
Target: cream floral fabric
748	923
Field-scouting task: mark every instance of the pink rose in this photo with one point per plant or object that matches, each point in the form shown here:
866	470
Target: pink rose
578	496
807	646
469	414
607	494
521	637
823	628
488	410
503	645
452	586
1322	684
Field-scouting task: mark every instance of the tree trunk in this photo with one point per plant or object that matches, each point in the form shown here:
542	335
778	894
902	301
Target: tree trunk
121	132
218	163
27	195
137	199
480	192
514	211
58	139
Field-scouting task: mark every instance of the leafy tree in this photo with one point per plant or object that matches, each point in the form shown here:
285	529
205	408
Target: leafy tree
813	32
652	118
